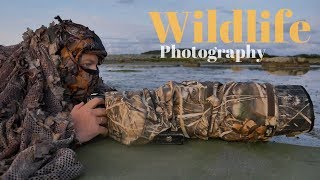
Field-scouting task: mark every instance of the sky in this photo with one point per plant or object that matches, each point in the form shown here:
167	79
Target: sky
125	26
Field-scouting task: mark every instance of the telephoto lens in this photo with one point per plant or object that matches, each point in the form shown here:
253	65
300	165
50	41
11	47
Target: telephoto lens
233	111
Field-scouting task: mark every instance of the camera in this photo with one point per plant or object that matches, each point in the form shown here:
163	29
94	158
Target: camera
97	95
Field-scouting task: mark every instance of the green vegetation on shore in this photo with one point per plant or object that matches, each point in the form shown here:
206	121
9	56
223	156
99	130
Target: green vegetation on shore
154	57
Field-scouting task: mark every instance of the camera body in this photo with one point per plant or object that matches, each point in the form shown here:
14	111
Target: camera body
97	95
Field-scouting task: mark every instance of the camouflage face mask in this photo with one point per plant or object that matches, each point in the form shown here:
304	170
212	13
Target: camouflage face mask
90	71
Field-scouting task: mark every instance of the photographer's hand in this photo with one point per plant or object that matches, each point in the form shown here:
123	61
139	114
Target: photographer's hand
87	120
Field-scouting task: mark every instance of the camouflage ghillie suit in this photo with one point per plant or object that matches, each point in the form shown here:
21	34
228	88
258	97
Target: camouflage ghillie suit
39	85
244	111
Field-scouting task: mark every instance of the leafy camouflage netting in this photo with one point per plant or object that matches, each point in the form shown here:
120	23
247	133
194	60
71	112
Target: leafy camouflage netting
244	111
39	85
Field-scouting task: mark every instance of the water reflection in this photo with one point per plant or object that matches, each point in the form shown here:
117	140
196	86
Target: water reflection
236	68
271	69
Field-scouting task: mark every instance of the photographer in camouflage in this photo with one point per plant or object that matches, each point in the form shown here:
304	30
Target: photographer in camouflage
42	80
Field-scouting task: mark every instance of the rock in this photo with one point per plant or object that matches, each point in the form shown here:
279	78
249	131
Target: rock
294	60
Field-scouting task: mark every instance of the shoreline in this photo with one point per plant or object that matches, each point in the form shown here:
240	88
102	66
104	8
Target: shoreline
285	62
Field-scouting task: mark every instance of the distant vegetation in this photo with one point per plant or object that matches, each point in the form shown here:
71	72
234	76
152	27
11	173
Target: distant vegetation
307	55
154	57
154	52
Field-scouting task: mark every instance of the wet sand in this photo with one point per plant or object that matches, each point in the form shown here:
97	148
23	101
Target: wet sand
107	159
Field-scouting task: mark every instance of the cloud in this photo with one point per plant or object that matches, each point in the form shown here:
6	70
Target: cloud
125	1
221	9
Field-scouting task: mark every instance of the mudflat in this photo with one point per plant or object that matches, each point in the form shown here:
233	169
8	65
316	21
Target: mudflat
196	159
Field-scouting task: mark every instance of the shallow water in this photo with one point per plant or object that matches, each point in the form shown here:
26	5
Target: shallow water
282	158
136	77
